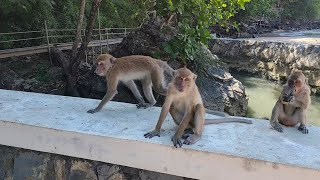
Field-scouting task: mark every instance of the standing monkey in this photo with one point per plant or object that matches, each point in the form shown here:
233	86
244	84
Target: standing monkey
291	108
184	103
130	68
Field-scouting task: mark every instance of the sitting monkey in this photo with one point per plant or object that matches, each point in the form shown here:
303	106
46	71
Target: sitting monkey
185	105
291	108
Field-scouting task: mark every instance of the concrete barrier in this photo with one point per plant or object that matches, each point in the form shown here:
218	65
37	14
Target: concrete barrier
60	125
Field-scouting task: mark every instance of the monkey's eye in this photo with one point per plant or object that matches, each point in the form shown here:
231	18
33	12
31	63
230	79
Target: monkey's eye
187	79
181	78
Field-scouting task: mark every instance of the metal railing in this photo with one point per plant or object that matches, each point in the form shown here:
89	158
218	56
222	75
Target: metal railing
9	41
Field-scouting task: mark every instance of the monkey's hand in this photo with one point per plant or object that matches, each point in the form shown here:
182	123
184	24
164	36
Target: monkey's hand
92	111
151	134
303	129
176	141
277	126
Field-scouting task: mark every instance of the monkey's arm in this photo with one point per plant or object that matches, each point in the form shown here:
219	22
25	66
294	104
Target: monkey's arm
276	112
182	126
302	100
111	92
109	95
227	120
164	111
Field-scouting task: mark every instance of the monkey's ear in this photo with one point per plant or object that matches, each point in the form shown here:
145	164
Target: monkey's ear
112	60
174	72
194	76
306	81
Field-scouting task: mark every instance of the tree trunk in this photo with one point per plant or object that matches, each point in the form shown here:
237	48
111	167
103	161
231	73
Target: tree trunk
93	15
78	31
71	66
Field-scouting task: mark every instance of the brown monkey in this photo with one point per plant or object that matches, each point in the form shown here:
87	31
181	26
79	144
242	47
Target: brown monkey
291	108
184	103
130	68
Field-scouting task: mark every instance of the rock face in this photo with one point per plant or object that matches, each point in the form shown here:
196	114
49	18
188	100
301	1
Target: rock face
18	163
220	91
275	60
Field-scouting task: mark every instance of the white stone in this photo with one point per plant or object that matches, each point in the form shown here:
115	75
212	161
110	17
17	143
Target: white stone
61	125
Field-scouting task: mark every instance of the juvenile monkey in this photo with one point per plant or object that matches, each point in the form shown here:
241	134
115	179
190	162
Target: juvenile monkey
185	105
291	108
130	68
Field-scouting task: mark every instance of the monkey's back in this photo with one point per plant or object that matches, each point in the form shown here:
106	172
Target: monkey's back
134	67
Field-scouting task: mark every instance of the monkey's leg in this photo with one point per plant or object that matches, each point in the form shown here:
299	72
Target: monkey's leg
301	116
277	111
133	88
182	126
164	111
177	118
157	78
111	92
147	91
198	123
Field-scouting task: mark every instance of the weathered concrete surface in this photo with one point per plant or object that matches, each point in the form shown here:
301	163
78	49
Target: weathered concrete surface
60	125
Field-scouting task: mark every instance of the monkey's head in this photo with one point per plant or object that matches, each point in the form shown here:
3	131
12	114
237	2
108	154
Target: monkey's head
297	80
104	63
183	79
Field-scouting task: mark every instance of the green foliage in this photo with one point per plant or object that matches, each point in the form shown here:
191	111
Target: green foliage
260	8
195	17
301	9
282	10
29	15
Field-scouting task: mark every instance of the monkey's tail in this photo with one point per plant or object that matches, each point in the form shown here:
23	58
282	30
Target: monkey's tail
217	113
227	120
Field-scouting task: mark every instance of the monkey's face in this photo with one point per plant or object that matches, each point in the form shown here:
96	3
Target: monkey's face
184	79
182	83
103	66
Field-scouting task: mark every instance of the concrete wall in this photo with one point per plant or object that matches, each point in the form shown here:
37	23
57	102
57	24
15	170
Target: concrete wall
21	164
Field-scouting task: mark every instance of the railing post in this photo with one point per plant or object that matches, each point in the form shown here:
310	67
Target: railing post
99	31
125	32
48	42
107	39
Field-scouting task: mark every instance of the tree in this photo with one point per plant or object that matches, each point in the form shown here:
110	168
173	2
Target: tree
193	20
71	67
78	30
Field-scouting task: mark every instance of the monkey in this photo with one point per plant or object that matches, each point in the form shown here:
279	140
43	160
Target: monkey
127	69
185	105
291	107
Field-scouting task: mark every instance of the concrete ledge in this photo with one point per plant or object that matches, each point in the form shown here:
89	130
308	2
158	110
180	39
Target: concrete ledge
60	125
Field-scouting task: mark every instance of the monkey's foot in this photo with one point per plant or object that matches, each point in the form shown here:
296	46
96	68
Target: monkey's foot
187	132
303	129
176	141
92	111
144	105
191	139
151	134
277	126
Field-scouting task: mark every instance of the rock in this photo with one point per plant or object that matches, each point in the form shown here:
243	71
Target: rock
146	175
29	165
110	172
81	170
219	89
275	60
9	79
